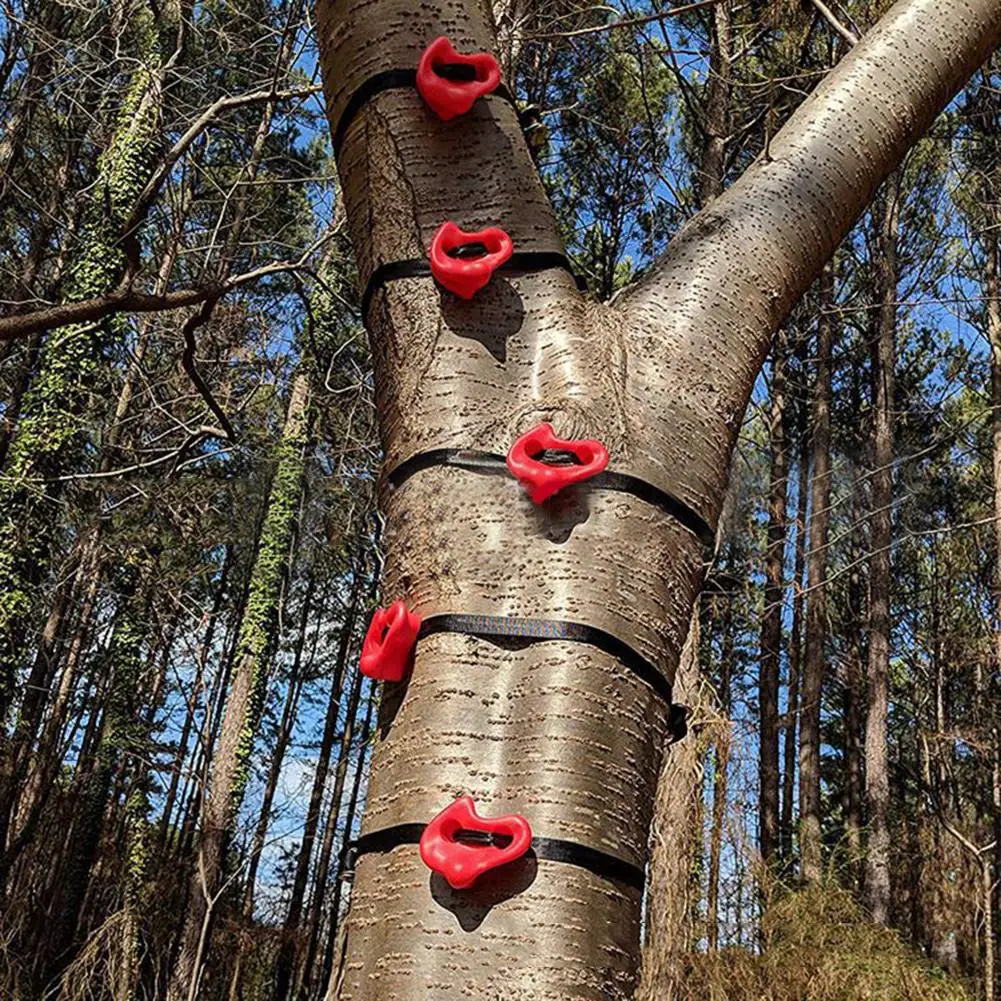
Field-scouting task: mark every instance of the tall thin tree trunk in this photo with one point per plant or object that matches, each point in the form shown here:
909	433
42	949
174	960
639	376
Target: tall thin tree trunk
319	901
288	952
204	649
244	704
327	972
791	728
877	770
720	779
771	621
811	860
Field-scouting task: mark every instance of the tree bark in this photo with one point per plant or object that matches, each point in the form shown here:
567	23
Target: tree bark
662	377
791	728
287	954
230	768
877	767
771	621
812	682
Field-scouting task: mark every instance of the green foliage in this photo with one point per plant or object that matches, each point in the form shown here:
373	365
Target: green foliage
50	423
265	589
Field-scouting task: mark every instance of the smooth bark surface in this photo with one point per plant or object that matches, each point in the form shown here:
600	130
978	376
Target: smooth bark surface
557	731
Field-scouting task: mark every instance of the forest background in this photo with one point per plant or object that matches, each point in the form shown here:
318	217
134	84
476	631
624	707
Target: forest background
190	543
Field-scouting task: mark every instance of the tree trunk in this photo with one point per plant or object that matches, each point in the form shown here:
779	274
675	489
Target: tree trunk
245	702
288	952
720	780
791	728
810	835
48	427
284	738
771	621
204	649
992	303
662	377
318	902
877	768
327	972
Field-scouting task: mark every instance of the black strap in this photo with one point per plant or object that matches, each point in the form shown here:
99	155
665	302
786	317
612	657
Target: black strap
520	260
487	462
528	631
397	79
550	849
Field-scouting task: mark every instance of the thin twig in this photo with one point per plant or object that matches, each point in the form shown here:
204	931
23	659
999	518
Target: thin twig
632	22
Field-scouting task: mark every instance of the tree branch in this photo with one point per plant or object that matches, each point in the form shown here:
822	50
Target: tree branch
632	22
709	308
195	130
828	15
129	300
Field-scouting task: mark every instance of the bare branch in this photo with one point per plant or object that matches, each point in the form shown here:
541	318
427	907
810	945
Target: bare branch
129	300
195	130
632	22
828	16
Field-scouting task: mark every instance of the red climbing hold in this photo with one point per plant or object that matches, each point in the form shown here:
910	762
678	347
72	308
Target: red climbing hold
390	640
441	82
454	268
462	862
542	479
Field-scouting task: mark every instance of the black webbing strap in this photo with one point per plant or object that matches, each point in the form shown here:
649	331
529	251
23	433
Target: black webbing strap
397	79
520	260
487	462
551	849
534	630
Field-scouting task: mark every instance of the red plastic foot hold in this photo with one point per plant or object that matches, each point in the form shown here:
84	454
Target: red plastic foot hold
462	862
385	654
457	271
542	480
448	97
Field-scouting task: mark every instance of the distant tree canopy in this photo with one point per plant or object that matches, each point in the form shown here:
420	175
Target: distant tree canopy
191	547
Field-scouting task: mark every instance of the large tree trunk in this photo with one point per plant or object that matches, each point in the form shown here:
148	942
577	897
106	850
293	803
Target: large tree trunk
556	730
877	766
812	682
245	702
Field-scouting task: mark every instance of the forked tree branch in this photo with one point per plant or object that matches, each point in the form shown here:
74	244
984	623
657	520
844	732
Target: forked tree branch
731	276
